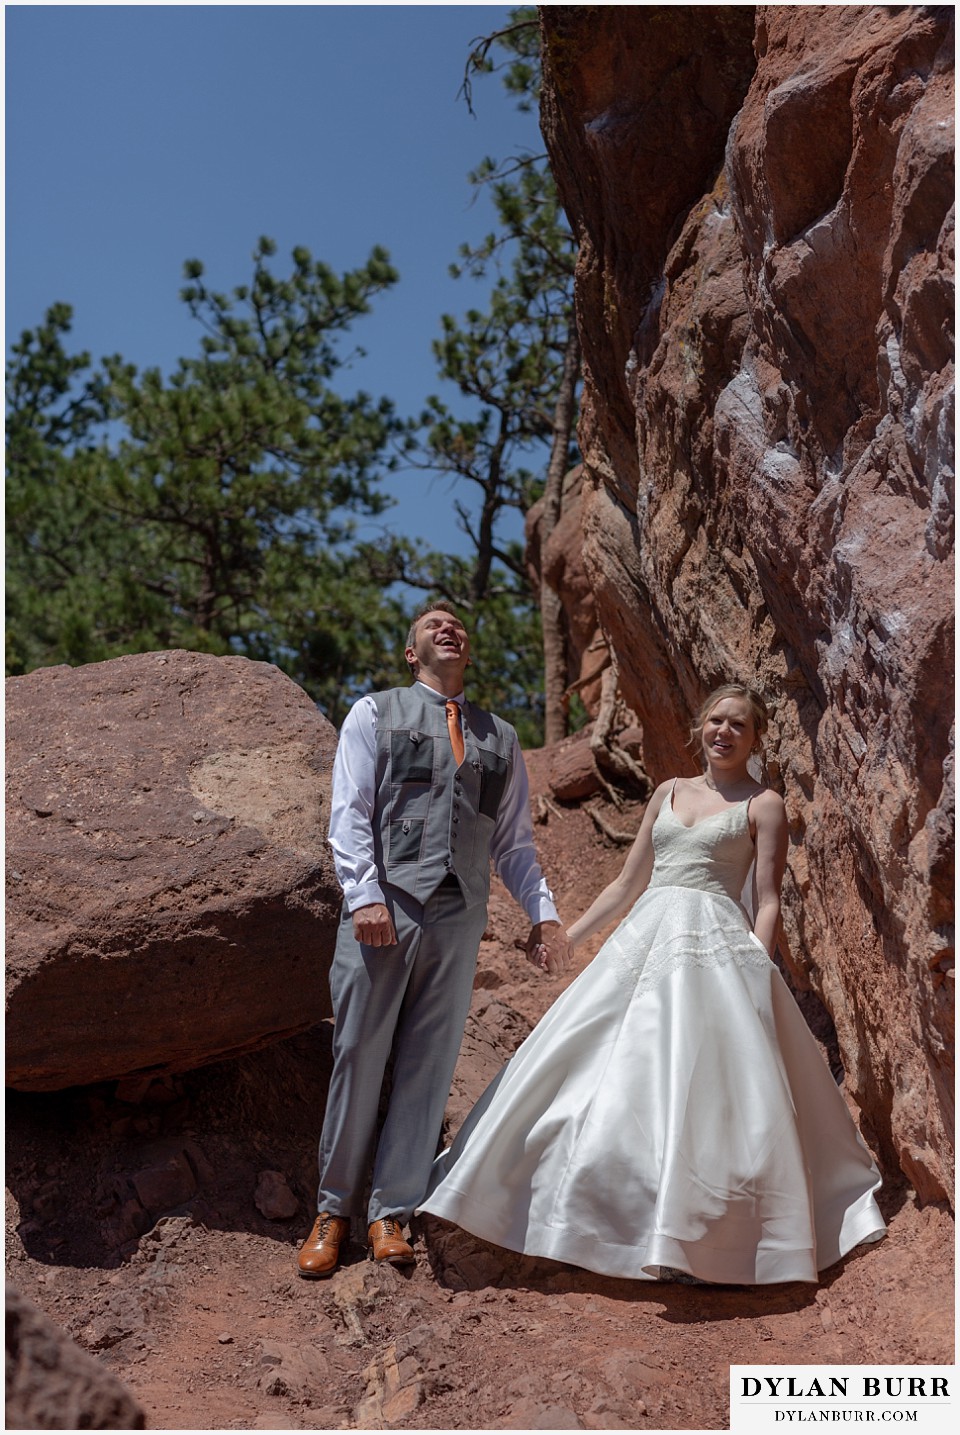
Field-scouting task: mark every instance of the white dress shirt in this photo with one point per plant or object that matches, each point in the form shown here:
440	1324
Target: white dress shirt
351	822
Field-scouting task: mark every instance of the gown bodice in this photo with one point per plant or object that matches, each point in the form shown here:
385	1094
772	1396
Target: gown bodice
714	855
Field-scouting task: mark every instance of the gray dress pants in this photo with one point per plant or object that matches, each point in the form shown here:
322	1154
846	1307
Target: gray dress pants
412	998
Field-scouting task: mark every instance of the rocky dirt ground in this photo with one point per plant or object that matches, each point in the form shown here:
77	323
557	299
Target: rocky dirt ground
144	1220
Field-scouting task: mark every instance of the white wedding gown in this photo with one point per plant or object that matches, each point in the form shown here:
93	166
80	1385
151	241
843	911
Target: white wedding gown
671	1108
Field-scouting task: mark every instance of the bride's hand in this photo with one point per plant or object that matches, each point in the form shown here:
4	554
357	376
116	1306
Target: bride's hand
548	947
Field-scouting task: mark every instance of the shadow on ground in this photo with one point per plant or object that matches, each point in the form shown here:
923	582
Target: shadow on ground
93	1169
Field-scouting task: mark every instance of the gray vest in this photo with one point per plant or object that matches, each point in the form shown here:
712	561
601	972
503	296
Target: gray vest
431	817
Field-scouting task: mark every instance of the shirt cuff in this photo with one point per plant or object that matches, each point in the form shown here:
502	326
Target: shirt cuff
540	908
364	895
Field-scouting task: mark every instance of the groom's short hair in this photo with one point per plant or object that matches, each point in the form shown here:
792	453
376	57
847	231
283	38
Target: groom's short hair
441	607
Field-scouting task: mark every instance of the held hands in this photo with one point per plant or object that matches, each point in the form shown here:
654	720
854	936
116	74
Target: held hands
548	947
373	926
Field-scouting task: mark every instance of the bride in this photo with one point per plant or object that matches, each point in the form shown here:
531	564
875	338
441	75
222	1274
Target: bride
671	1114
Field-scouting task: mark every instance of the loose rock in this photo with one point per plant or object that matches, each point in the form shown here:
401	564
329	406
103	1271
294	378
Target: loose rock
273	1197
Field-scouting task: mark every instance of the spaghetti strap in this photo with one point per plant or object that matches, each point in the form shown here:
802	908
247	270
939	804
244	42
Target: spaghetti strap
758	793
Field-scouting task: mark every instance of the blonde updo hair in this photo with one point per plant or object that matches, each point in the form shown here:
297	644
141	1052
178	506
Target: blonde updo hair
758	709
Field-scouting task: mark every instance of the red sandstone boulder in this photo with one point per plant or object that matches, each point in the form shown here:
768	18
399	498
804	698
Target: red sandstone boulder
171	899
560	561
765	289
51	1384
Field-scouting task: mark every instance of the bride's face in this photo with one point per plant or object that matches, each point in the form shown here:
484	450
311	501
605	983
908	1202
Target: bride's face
729	733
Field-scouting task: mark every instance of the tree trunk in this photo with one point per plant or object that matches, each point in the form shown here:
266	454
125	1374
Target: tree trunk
551	608
492	503
206	600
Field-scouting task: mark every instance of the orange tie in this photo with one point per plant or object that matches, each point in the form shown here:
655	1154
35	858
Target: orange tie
453	727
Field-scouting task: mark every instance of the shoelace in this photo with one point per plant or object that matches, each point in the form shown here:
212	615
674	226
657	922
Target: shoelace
391	1227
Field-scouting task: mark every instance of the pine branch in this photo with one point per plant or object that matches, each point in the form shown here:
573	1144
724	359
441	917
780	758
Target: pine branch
477	58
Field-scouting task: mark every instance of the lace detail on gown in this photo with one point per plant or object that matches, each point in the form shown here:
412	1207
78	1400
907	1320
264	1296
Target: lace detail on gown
640	968
689	915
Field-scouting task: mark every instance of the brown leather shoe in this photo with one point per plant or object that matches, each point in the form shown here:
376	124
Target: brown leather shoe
320	1252
386	1243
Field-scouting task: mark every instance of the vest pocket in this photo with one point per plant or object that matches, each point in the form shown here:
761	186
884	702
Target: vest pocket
406	839
493	779
411	757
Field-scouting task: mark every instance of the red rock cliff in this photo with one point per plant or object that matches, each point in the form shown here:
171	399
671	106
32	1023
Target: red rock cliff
764	201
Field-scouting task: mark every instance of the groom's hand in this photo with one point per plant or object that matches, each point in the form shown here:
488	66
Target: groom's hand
373	926
548	947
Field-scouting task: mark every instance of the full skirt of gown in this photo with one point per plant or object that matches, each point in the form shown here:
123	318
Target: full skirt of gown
671	1109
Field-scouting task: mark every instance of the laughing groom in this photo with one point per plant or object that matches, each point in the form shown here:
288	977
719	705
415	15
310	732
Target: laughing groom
427	790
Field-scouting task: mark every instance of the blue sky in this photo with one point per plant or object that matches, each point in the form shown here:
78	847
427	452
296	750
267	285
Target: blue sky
140	136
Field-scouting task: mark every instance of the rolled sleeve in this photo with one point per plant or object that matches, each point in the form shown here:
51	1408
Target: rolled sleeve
512	850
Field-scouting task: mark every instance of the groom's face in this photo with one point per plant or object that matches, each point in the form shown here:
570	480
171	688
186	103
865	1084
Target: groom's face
440	646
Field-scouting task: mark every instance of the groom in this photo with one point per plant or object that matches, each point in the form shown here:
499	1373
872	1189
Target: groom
427	791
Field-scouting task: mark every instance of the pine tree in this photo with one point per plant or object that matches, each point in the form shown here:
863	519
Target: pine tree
217	512
59	546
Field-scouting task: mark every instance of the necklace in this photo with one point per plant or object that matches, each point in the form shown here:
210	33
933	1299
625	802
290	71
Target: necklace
722	791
